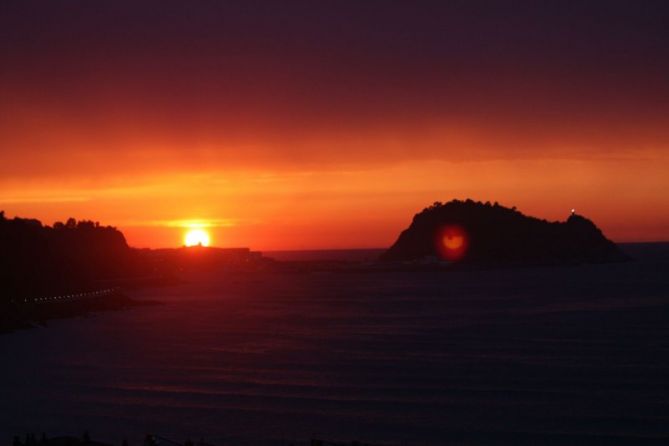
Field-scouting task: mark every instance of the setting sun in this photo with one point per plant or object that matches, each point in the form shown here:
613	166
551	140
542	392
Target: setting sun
196	237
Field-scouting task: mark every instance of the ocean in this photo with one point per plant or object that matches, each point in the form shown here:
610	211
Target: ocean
568	355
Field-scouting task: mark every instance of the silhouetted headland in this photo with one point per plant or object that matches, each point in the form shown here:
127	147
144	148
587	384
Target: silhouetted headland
63	270
77	267
484	234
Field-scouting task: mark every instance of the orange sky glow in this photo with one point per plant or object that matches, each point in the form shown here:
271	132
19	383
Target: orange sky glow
298	139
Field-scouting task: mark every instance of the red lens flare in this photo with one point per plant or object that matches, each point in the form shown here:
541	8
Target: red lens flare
452	242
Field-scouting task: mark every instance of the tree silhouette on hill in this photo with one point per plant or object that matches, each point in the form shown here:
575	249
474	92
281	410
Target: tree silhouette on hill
36	259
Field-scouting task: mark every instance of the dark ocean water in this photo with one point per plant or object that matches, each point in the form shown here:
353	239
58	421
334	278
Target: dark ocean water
352	255
572	355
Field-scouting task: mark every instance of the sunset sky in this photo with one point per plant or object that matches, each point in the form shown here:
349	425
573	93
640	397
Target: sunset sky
328	124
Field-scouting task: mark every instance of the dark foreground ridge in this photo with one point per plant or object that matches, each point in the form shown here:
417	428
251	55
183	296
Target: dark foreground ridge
475	233
151	440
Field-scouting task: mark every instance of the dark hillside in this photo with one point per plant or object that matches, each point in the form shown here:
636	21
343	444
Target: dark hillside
472	232
37	260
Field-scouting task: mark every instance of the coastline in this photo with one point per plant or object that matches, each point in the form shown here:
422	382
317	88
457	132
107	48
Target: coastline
29	314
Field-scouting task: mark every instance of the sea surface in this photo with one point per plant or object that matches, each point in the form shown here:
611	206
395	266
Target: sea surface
569	355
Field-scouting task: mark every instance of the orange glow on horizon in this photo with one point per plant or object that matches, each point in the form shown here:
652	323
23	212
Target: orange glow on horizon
365	206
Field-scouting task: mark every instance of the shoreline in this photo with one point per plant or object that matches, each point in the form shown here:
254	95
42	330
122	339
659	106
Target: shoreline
19	316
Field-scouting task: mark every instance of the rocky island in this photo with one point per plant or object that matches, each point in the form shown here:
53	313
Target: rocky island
474	233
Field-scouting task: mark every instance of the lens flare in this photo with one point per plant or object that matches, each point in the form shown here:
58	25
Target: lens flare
452	242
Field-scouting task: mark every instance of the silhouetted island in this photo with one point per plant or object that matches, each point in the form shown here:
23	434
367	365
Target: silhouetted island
474	233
